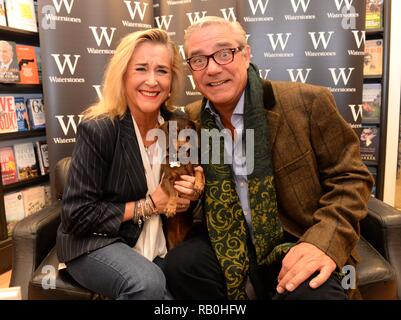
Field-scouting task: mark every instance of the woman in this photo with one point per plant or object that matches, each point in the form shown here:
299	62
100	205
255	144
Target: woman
111	236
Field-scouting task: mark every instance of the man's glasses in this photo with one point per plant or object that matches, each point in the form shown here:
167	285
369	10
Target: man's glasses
223	56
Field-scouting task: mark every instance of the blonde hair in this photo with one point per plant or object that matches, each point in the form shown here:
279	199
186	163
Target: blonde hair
238	32
113	102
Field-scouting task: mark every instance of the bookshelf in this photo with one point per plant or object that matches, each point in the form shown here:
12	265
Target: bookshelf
380	33
8	139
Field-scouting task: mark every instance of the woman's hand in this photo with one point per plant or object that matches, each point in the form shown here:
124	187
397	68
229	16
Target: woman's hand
186	186
160	198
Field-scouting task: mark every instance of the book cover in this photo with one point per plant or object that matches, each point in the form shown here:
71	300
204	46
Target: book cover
34	199
9	70
373	58
8	115
8	166
39	62
36	113
26	161
14	208
27	64
42	155
374	14
3	21
371	102
21	15
369	143
22	114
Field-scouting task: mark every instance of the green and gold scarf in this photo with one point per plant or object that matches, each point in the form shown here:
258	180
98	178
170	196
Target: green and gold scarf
224	217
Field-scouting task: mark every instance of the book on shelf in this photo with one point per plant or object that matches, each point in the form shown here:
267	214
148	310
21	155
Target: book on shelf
22	114
374	14
373	58
27	64
9	70
14	209
39	62
3	21
369	143
34	199
8	115
36	111
21	15
43	158
371	102
8	166
26	161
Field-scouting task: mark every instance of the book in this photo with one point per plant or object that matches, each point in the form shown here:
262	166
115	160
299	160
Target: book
36	113
21	15
369	143
34	199
8	166
43	158
39	62
27	64
373	58
3	21
371	102
9	70
8	115
22	114
374	14
14	209
26	161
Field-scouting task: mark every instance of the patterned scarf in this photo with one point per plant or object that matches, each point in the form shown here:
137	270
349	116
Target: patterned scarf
225	222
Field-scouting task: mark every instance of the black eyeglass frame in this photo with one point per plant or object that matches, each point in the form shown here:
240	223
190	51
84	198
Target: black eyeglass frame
233	52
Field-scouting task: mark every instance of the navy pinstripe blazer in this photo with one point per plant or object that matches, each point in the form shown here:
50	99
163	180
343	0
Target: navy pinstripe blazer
106	172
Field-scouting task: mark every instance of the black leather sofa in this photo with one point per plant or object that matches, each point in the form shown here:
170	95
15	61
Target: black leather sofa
36	267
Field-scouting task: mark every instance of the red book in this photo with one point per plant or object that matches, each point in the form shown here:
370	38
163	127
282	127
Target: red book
28	65
8	166
8	115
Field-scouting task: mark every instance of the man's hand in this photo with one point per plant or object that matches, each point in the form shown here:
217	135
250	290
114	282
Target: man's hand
300	263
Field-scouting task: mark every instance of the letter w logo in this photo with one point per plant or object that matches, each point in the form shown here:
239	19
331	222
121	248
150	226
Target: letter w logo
295	6
341	74
141	11
259	4
339	4
162	22
322	38
359	39
104	34
67	61
192	20
356	113
279	39
70	123
300	75
67	5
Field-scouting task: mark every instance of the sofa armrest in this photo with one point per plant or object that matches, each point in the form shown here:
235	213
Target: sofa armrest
382	229
33	237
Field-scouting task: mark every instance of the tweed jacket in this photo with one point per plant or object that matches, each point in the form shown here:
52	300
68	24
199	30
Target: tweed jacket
321	183
106	172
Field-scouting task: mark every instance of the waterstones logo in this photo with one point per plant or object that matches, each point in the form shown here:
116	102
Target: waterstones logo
338	74
182	53
360	38
228	14
346	8
356	111
300	75
276	39
322	40
195	16
163	22
66	126
264	73
137	10
61	64
296	4
105	34
60	7
98	90
258	6
193	92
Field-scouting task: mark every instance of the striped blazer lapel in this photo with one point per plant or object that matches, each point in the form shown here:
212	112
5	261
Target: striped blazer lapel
134	164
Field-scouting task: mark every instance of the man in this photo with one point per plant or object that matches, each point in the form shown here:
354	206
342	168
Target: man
9	71
286	229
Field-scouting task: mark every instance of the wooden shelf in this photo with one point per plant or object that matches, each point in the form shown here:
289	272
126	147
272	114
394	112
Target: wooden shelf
22	134
20	88
22	36
25	183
